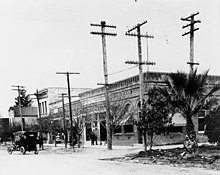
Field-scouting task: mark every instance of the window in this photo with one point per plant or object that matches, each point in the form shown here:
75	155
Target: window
201	122
128	129
42	105
45	107
117	130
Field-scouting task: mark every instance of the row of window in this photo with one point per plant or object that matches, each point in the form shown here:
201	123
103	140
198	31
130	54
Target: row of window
43	107
124	129
176	129
130	129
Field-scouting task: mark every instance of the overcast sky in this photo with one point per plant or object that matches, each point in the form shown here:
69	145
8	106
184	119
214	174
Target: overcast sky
41	37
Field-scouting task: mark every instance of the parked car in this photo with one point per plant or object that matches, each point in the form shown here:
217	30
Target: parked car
24	141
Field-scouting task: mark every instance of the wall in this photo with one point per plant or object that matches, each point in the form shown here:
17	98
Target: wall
127	91
29	115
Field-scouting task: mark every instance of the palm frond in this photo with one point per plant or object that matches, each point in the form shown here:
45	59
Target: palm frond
202	100
163	91
178	80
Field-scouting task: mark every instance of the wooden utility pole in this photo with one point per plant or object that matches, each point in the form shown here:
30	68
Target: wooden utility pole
103	25
39	111
191	32
69	96
140	63
63	95
19	88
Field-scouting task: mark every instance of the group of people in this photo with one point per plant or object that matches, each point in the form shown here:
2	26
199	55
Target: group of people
94	137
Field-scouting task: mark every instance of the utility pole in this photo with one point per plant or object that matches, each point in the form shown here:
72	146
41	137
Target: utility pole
103	25
147	52
191	32
140	63
39	111
19	88
69	96
63	95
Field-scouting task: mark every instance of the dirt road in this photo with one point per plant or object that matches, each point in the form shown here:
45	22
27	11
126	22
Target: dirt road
57	161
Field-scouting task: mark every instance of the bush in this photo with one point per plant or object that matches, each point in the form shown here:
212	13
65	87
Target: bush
212	130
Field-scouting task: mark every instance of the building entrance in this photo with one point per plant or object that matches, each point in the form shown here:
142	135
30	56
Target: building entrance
103	133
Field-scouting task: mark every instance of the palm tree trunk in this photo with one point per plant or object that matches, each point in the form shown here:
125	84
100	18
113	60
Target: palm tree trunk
190	144
190	129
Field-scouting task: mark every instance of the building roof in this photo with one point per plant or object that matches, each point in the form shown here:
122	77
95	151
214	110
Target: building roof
134	80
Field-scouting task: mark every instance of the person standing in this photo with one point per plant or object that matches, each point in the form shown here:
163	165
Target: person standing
92	137
96	133
41	142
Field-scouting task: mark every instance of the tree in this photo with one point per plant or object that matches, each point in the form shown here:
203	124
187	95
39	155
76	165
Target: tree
26	101
8	132
120	111
187	94
78	128
212	129
51	125
154	117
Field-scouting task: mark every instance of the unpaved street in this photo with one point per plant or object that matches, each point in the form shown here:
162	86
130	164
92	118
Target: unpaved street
86	161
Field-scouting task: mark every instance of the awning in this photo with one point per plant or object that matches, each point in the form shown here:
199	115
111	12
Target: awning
178	120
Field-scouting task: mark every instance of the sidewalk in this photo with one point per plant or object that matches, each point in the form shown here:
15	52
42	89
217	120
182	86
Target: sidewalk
135	146
100	151
97	151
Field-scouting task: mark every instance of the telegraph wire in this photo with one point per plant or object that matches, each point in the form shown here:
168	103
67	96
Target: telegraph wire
123	70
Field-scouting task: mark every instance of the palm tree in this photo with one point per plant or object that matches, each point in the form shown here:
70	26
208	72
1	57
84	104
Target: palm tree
188	94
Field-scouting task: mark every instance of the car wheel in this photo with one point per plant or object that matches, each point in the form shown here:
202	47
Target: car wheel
36	151
10	150
22	149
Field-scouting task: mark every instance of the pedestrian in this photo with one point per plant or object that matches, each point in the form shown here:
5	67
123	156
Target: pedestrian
70	140
96	133
92	137
41	142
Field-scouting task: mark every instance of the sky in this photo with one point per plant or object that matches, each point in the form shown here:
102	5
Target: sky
41	37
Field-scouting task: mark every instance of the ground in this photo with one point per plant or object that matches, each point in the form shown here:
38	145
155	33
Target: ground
88	160
207	157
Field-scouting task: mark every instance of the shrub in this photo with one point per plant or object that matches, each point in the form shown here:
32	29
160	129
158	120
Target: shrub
212	130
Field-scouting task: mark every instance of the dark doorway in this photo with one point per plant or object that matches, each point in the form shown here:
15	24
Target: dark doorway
88	131
103	133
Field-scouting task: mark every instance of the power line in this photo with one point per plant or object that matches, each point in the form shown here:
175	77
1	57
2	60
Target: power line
123	70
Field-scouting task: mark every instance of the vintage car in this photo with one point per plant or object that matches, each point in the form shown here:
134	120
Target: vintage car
24	141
